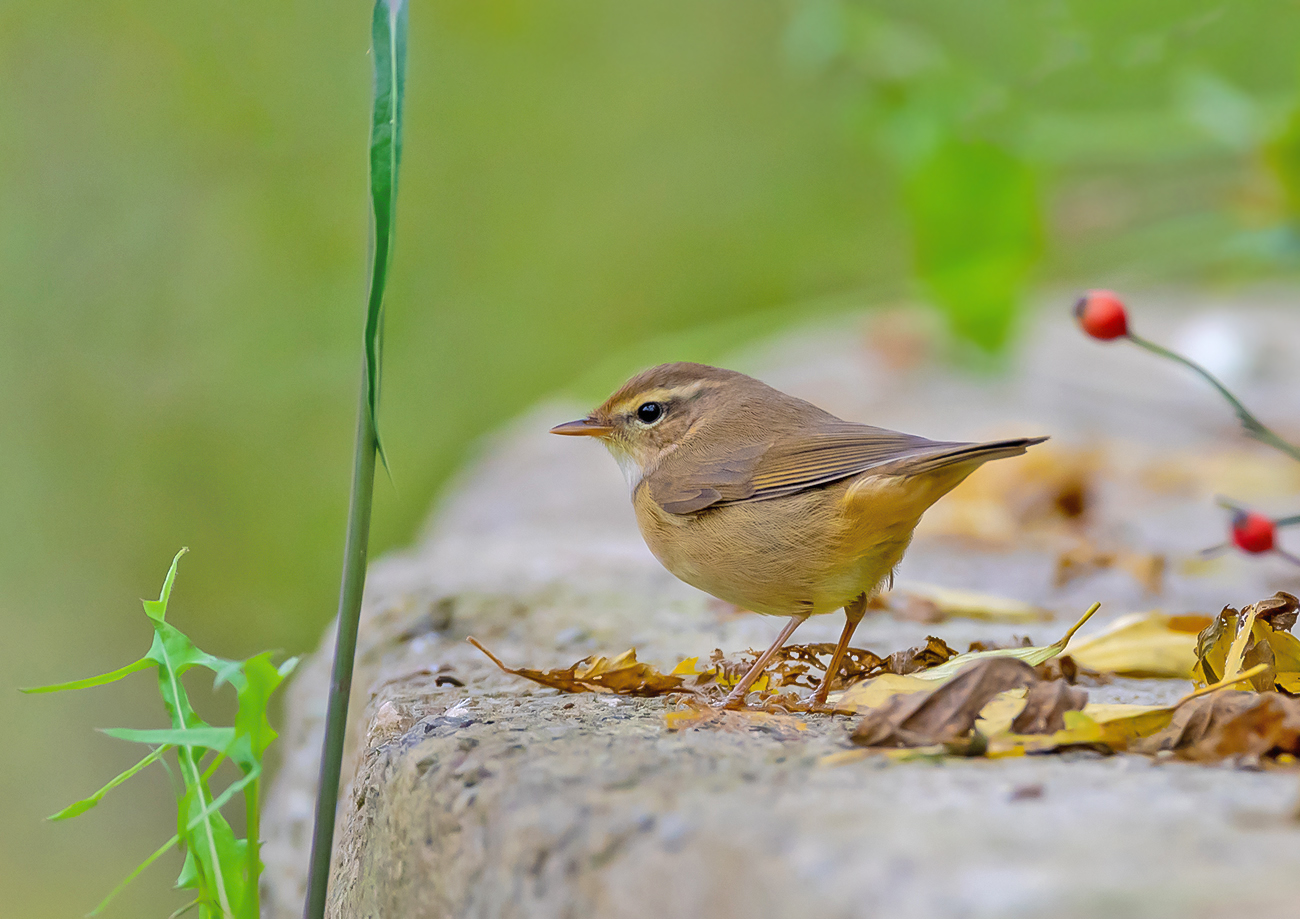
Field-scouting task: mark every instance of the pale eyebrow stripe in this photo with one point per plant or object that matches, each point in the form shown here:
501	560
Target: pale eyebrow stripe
665	394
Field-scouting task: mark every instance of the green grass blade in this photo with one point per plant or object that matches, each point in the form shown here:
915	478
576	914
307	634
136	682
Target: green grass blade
388	32
103	679
85	804
388	36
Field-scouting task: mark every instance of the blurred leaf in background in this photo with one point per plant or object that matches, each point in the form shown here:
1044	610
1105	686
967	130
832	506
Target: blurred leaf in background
974	106
975	215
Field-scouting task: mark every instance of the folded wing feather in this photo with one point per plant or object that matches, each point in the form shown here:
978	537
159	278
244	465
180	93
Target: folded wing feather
687	483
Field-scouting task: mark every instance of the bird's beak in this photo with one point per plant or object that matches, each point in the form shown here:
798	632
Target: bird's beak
583	427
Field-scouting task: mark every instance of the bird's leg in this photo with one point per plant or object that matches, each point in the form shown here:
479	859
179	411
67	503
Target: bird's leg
736	698
853	614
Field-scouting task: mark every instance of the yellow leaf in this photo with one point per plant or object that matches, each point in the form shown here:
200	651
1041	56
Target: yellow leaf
686	667
1112	725
1237	650
876	691
1143	644
1286	653
996	717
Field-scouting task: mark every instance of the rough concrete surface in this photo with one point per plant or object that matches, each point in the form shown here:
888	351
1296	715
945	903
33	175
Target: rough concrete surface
499	798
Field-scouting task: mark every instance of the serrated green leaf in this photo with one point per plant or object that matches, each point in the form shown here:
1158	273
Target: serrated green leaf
80	807
261	679
217	852
1032	656
157	609
219	802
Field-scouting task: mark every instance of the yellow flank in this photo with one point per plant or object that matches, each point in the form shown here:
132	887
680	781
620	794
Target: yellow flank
813	551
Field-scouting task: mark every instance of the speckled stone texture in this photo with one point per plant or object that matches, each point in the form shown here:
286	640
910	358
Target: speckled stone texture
474	794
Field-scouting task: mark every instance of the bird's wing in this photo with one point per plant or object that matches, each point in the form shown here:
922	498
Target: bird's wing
690	481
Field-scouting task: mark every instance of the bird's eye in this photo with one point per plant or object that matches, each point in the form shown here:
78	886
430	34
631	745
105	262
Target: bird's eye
650	412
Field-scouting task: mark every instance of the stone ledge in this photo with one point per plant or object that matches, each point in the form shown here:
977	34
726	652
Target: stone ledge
499	798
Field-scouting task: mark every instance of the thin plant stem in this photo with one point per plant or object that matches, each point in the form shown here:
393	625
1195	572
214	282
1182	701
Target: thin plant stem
253	851
1254	427
388	56
336	718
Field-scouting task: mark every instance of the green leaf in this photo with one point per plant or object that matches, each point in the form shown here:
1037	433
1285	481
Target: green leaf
85	804
218	855
1032	656
189	876
162	850
218	739
388	36
157	609
102	680
261	679
975	221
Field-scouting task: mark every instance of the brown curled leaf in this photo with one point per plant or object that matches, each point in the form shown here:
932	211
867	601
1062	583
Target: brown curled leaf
1045	706
945	714
1260	633
1279	611
1230	724
911	660
623	675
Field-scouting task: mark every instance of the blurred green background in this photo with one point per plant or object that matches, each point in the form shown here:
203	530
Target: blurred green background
183	232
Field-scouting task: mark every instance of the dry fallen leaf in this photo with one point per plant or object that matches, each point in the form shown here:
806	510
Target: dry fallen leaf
1108	727
1046	703
945	714
623	675
984	711
803	665
1143	645
1257	634
1231	724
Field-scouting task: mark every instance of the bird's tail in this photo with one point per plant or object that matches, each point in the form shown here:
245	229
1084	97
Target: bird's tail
967	454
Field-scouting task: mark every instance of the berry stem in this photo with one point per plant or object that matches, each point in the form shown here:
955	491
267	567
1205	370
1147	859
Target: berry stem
1254	427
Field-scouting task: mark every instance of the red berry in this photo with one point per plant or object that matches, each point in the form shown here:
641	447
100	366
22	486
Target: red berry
1253	532
1101	314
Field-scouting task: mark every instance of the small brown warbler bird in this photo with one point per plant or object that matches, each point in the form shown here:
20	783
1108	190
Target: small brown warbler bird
766	501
